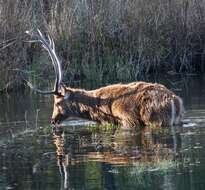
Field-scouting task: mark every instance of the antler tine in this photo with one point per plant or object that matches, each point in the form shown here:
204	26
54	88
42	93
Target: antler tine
52	45
41	35
49	45
55	61
51	42
38	90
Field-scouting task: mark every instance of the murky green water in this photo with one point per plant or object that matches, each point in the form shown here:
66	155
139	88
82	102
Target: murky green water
32	156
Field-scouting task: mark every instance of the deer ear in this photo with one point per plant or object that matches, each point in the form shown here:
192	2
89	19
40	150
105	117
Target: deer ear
62	90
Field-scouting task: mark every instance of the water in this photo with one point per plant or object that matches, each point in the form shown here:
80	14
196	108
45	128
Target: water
32	156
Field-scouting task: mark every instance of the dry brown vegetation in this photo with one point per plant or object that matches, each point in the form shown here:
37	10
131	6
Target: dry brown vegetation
104	40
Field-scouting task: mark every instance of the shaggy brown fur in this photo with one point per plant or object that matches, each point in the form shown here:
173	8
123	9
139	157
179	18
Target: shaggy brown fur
137	103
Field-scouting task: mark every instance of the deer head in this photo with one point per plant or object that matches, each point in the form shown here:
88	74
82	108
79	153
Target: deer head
59	91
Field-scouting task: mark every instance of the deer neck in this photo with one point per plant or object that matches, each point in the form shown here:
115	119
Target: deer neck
89	106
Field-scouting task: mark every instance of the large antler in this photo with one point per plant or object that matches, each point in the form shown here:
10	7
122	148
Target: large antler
49	45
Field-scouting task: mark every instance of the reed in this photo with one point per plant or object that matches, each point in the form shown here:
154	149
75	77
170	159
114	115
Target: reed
106	40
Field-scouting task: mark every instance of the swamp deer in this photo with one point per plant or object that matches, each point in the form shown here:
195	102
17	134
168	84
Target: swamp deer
136	103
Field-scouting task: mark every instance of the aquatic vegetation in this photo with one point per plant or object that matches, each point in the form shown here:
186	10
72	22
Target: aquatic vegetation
103	128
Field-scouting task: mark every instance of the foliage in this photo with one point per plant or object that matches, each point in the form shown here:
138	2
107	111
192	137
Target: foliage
104	41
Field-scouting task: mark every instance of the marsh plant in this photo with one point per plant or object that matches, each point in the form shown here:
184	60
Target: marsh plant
103	41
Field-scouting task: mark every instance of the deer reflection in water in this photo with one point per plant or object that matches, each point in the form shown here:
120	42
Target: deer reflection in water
63	158
122	147
128	147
